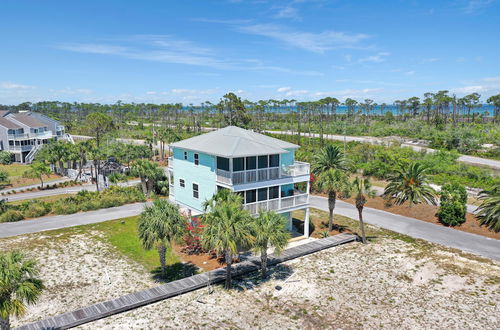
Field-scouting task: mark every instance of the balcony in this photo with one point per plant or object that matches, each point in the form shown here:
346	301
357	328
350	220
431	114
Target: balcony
263	174
278	204
42	135
20	136
21	148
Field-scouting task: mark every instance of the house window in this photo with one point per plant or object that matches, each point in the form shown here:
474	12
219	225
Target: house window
251	163
262	194
223	163
185	155
274	160
250	196
263	161
196	159
182	183
274	192
196	194
238	164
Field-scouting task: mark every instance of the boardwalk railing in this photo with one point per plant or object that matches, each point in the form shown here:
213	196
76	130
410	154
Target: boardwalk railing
175	288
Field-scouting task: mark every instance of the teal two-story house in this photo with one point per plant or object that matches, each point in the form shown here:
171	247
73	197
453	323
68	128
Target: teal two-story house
260	168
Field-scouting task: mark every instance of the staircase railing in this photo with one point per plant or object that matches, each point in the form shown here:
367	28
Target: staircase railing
31	155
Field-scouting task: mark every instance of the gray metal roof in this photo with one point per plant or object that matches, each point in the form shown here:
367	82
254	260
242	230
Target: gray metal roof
8	124
233	141
26	119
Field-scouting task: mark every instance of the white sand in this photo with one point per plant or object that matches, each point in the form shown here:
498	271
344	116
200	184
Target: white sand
388	283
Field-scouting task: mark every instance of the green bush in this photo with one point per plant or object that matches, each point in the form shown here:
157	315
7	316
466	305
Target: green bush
63	207
11	216
37	209
453	204
5	158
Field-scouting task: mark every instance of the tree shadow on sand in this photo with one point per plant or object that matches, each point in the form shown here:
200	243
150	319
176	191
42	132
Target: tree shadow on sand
280	272
174	272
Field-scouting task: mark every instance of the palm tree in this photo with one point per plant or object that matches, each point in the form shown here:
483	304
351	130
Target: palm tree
148	172
332	182
410	185
269	229
329	157
159	225
36	171
362	190
488	212
227	226
18	286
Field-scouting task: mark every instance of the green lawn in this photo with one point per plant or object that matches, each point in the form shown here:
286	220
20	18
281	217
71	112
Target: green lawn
122	234
14	170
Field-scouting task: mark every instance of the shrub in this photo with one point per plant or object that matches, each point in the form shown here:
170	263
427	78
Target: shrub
11	216
5	158
453	204
37	209
63	207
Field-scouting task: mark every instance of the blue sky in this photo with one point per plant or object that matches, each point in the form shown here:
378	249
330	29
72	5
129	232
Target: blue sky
191	51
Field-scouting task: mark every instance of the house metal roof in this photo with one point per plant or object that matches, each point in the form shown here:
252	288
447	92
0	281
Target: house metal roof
27	120
233	141
8	124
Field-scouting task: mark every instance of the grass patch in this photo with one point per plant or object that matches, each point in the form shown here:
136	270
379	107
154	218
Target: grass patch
122	234
14	170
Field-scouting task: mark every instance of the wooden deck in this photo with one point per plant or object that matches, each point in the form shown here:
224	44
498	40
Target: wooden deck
175	288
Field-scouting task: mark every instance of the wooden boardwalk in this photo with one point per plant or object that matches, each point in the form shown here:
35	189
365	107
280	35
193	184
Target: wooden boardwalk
175	288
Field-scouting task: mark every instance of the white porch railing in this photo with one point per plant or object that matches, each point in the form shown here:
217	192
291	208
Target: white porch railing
170	161
296	169
263	174
20	136
277	204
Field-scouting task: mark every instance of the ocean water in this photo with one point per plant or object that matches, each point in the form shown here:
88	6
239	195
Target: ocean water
485	109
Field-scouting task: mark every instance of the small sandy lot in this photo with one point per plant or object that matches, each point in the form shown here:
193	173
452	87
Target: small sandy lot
388	283
77	270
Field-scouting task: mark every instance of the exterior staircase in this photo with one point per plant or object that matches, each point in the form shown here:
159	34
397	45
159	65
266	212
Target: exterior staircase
31	155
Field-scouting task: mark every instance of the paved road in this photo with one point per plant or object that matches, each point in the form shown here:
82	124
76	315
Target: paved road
63	221
60	191
409	226
476	244
495	164
35	185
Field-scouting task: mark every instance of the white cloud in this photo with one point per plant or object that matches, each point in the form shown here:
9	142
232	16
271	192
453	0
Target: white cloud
352	93
195	91
474	6
379	58
429	60
12	85
72	91
283	89
165	48
314	42
486	86
288	12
